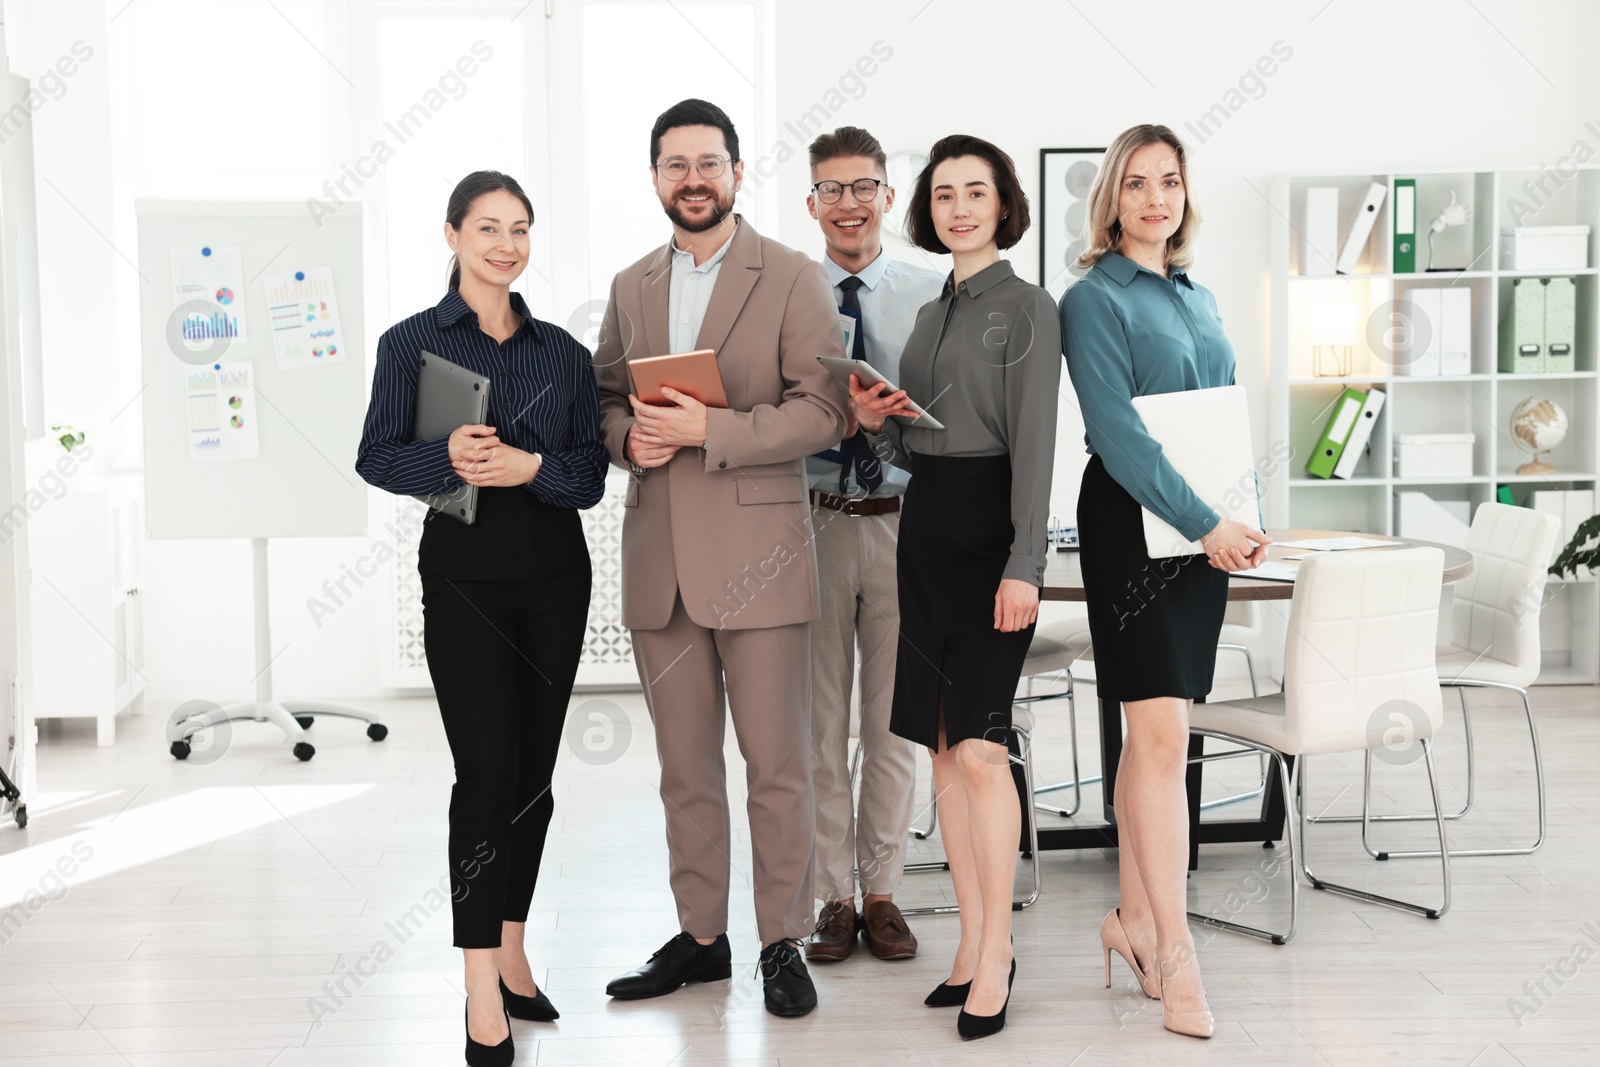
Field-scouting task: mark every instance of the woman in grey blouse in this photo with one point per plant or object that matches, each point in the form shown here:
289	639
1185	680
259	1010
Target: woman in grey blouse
1136	325
984	359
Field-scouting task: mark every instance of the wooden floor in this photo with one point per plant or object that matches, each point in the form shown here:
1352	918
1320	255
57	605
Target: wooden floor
213	908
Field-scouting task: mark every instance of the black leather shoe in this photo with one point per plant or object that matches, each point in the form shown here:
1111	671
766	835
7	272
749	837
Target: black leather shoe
679	961
788	989
970	1026
534	1009
948	996
499	1055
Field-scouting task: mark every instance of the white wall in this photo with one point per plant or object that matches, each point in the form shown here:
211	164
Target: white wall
1369	86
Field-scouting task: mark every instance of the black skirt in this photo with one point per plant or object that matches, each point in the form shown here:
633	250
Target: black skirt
955	539
1154	622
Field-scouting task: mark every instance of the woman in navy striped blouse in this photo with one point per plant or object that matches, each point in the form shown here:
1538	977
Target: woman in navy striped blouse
505	600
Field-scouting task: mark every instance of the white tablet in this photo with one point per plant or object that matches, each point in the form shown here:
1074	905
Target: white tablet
843	368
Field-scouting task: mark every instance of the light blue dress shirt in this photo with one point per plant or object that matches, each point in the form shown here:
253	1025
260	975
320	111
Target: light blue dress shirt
1128	332
891	294
690	293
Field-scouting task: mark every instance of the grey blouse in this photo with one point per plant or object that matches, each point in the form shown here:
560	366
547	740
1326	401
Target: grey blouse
985	360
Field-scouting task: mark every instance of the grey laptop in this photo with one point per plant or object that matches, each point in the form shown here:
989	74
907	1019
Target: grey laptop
449	396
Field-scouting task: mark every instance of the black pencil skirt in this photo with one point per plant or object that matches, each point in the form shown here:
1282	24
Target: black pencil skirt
505	606
1154	622
955	539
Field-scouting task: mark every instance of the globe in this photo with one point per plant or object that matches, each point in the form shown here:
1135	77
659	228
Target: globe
1537	426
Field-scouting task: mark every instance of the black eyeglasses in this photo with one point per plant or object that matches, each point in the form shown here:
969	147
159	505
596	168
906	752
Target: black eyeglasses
677	168
863	189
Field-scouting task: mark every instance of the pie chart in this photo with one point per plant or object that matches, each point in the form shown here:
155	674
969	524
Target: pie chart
224	295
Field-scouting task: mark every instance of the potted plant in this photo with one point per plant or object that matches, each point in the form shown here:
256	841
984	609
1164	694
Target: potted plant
1582	551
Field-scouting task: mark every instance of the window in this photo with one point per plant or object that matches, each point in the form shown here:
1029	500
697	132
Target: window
234	101
452	102
638	59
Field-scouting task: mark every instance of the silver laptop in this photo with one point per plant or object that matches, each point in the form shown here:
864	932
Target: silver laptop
449	396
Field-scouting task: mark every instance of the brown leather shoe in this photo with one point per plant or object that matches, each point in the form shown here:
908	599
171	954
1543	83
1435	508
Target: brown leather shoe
835	935
885	930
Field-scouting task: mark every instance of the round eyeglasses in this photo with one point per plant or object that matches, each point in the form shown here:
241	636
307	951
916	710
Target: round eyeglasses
677	168
863	189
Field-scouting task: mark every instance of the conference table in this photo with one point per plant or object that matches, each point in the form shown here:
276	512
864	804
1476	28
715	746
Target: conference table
1063	580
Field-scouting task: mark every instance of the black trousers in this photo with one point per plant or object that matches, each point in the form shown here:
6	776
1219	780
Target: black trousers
505	605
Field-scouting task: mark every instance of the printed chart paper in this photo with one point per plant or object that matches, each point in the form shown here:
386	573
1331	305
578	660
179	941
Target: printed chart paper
214	277
1270	571
305	318
222	412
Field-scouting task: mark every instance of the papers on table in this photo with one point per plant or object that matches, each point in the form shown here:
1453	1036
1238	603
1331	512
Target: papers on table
1339	544
1271	571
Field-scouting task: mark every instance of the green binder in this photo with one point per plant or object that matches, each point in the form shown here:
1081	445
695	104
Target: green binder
1405	225
1560	324
1336	434
1522	333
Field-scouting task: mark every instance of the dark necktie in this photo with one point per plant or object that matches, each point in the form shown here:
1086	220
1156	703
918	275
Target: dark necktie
856	451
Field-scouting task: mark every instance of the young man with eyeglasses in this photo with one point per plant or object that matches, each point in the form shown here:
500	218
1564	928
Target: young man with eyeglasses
719	577
856	513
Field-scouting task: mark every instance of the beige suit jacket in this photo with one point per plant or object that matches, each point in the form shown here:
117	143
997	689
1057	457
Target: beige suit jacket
728	527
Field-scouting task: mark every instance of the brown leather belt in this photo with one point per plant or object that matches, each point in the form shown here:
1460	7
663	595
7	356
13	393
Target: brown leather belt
882	505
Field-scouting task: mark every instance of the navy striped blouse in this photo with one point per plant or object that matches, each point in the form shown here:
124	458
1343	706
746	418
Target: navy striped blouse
542	399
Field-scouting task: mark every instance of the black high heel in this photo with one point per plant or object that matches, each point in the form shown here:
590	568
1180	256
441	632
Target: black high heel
970	1026
499	1055
953	996
949	996
534	1009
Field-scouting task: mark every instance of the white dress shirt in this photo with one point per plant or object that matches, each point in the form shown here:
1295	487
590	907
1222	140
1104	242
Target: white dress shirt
890	295
690	293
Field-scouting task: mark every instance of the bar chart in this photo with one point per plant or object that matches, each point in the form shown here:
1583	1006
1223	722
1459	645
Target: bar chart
206	327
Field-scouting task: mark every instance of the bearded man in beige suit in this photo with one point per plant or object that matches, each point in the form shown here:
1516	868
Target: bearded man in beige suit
719	574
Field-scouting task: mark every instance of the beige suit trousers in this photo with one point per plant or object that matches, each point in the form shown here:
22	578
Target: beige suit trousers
687	670
860	609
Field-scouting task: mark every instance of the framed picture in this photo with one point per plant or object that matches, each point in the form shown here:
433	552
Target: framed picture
1066	175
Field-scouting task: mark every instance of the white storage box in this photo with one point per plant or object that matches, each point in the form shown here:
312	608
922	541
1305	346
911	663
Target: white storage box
1445	456
1544	248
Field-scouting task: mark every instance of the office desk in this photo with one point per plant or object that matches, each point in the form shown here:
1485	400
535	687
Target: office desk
1063	580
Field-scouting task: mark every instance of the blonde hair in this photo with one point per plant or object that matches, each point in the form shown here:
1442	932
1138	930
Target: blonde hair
1105	227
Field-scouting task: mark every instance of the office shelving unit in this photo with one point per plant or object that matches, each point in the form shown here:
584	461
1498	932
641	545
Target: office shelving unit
1479	402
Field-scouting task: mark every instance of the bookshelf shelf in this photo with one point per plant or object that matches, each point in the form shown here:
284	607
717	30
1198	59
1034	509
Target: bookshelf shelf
1479	402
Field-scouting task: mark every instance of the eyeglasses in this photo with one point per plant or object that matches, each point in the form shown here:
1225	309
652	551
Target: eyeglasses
863	189
677	168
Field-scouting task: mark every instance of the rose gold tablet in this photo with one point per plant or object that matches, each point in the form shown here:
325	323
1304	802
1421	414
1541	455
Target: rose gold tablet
694	373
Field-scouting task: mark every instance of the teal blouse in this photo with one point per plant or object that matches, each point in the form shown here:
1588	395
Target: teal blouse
1128	332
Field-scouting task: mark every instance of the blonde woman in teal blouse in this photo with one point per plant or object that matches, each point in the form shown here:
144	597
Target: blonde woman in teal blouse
1135	325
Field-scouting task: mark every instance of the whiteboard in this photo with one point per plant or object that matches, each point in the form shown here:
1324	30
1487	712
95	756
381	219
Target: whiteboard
302	482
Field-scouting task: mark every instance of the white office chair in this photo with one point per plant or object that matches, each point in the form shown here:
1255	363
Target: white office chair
1494	644
1057	645
1359	675
1241	624
1051	654
1023	757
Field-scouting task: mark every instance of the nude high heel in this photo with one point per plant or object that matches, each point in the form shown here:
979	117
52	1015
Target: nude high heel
1114	938
1190	1023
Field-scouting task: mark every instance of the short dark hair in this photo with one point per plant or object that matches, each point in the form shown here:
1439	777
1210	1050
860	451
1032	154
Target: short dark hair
1013	201
848	141
694	112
